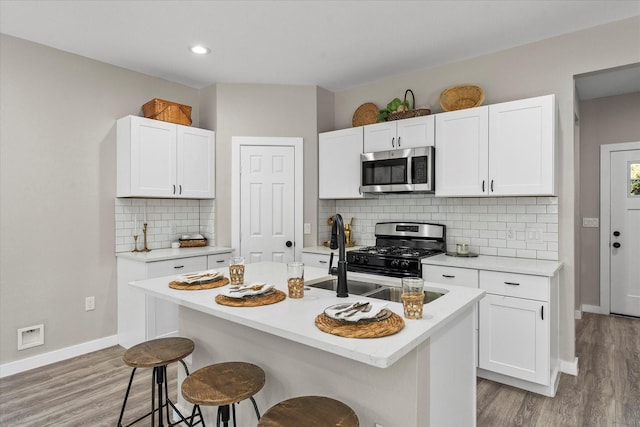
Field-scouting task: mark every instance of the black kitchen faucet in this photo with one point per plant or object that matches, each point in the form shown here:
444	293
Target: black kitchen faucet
338	242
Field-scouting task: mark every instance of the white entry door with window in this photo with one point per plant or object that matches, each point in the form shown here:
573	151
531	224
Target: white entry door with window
624	232
268	206
620	228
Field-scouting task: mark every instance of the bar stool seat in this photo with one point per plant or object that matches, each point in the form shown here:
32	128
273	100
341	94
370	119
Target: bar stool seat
309	411
223	385
157	354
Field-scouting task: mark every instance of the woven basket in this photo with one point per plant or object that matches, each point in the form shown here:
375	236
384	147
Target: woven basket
460	97
412	112
192	243
167	111
366	114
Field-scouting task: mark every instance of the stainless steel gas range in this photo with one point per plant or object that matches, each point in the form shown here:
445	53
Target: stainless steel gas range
399	250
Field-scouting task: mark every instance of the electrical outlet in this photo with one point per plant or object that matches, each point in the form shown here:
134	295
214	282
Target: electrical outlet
534	234
307	228
511	233
89	303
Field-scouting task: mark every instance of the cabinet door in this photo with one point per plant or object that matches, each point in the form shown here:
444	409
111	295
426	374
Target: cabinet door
153	157
514	337
162	316
339	164
380	137
416	132
195	163
522	147
462	139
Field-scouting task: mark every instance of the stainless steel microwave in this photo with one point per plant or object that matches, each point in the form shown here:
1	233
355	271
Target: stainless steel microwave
398	171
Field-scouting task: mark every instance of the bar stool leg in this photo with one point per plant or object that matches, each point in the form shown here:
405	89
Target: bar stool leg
255	406
126	397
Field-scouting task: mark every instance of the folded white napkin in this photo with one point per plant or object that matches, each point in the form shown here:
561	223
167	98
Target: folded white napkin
242	291
341	314
201	276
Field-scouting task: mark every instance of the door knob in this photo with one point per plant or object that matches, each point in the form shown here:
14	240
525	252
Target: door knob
616	245
289	243
616	233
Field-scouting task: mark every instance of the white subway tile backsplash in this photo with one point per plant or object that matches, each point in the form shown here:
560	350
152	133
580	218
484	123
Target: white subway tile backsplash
167	220
480	221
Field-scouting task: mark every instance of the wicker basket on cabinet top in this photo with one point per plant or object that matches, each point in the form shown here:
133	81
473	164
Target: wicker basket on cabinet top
167	111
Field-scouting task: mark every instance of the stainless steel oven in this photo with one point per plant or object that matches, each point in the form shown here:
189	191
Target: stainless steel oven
403	170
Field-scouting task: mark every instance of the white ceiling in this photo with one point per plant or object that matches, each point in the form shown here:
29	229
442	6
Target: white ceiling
332	44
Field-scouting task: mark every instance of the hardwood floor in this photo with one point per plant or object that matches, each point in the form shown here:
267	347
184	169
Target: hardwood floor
606	391
84	391
88	390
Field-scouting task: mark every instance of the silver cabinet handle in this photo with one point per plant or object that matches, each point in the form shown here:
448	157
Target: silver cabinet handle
448	276
322	262
220	261
177	267
174	189
399	142
180	186
393	141
512	283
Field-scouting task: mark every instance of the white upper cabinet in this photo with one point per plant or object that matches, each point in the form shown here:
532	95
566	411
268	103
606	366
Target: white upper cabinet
339	164
522	147
505	149
462	151
407	133
161	159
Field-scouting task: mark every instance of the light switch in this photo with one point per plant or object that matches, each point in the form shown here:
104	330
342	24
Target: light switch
590	222
307	228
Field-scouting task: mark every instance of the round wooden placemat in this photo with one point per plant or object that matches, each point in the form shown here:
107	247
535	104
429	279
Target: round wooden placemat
183	286
360	329
256	301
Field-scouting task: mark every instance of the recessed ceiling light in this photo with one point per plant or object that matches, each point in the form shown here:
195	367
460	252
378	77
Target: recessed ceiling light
200	50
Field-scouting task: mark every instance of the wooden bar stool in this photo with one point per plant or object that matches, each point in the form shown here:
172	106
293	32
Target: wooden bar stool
309	411
223	385
157	354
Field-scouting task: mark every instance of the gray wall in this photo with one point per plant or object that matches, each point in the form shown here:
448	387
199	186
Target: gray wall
57	180
608	120
264	110
535	69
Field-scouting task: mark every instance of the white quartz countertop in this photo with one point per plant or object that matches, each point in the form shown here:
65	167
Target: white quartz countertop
293	319
324	250
169	253
495	263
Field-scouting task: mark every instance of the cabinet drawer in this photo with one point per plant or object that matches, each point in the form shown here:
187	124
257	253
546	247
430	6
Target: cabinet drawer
515	285
218	260
318	260
176	266
450	275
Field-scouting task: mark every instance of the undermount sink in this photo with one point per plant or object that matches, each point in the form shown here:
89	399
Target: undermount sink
355	287
395	294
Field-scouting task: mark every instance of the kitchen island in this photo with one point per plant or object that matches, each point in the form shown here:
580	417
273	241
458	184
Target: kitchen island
424	375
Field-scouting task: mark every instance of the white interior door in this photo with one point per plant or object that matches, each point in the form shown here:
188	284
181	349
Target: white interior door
267	203
624	233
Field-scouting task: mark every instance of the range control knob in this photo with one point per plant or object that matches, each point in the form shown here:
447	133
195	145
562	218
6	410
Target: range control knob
405	264
395	263
365	260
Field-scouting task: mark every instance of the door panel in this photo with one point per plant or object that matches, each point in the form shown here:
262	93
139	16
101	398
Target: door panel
267	203
624	237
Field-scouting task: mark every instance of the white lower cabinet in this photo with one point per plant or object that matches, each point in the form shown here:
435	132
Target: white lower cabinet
519	330
142	317
459	277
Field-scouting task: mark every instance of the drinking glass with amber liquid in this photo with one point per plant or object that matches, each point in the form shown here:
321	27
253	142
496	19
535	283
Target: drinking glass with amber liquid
412	297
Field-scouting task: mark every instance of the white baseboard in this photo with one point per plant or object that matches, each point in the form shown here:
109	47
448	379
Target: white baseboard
594	309
570	368
33	362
